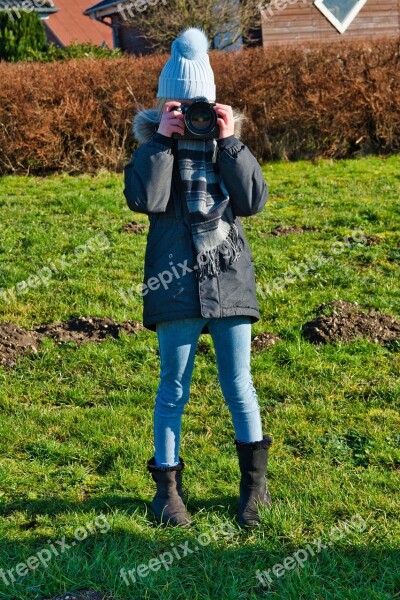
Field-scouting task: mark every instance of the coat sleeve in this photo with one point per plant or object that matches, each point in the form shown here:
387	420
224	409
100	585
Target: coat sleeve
148	176
242	176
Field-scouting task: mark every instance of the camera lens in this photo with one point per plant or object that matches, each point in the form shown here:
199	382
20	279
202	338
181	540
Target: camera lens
201	118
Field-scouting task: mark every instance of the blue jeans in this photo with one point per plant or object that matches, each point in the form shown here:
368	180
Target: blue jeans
177	345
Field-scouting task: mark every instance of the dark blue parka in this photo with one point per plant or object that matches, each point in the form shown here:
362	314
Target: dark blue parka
153	187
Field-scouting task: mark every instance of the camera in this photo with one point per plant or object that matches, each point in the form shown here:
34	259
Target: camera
200	120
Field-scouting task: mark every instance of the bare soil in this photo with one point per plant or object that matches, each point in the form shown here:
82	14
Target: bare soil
348	321
15	341
289	230
264	340
203	348
372	240
86	329
134	227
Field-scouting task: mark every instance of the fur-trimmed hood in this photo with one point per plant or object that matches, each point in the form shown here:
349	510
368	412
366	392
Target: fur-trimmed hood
145	123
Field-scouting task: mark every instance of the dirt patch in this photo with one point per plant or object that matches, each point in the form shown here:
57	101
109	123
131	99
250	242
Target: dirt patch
372	240
264	340
82	595
134	227
289	230
347	321
16	341
86	329
203	348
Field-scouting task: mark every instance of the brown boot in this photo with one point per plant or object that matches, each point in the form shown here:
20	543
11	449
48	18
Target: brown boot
253	459
168	504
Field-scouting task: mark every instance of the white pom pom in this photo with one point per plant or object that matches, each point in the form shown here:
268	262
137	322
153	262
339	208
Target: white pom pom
192	43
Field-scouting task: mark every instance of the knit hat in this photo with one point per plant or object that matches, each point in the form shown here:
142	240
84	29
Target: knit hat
188	72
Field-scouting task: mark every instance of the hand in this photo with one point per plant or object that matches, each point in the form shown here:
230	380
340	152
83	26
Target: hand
172	121
225	121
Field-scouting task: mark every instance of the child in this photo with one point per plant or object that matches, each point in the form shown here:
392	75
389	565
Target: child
198	272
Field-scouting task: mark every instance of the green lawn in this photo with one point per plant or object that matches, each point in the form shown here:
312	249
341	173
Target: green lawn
76	421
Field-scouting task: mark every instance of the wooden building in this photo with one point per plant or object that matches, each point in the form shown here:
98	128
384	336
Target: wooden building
281	22
303	21
113	14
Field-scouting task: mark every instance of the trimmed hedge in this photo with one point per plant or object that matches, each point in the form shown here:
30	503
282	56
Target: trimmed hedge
331	101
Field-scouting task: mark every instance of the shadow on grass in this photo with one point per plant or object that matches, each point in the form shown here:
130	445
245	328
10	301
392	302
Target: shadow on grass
223	506
244	565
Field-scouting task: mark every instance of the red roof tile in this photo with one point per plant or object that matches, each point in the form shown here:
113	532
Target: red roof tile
70	24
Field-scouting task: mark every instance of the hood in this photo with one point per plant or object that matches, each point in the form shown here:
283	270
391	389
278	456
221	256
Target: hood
146	122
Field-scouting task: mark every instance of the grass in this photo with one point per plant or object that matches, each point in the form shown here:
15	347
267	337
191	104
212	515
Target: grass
76	421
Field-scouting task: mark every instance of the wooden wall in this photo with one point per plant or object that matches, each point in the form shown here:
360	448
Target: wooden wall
302	21
130	40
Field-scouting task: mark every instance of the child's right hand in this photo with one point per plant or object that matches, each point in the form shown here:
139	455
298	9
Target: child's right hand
172	121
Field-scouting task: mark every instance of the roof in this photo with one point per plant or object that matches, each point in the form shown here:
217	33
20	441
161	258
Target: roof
45	6
101	5
70	24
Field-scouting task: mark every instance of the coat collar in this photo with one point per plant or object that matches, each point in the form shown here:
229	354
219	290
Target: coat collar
145	124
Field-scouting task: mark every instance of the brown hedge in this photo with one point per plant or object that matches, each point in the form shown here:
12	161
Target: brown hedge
333	101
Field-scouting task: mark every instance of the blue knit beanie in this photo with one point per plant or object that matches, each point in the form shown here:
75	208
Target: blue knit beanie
188	72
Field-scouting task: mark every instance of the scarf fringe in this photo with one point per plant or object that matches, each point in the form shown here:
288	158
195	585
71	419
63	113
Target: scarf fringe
212	262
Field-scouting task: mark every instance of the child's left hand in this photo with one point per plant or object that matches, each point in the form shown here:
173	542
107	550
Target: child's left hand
225	120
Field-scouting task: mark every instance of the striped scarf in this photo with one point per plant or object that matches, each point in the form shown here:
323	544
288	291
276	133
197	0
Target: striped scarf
214	233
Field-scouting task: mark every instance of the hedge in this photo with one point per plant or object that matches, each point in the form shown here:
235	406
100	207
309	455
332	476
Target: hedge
75	116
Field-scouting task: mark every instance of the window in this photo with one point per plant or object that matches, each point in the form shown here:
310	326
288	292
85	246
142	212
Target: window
341	13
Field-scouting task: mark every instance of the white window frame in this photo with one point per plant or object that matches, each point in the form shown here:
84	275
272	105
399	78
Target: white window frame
340	26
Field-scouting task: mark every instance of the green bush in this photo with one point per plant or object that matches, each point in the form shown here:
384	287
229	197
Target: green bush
20	34
74	50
